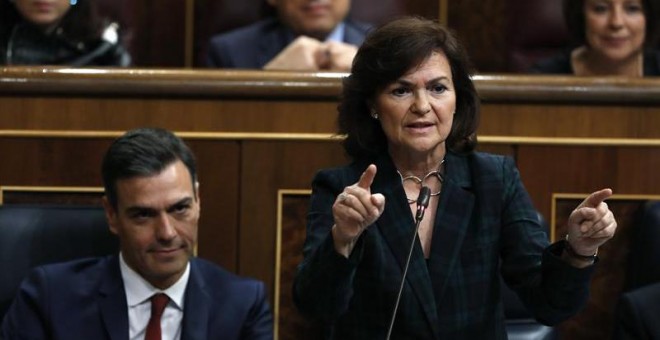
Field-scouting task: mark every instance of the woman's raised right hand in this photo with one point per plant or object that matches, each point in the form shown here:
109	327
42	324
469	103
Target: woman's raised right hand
354	210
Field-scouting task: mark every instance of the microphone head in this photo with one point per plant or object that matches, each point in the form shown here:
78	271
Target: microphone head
424	197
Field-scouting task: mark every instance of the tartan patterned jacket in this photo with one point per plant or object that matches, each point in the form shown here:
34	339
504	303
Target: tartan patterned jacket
485	225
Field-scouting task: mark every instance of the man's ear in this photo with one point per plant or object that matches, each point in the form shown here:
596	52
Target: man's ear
110	215
197	193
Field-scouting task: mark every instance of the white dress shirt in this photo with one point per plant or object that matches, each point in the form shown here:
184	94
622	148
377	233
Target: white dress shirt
138	294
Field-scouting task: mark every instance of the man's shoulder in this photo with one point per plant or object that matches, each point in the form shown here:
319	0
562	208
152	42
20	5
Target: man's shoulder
213	273
73	279
72	270
245	34
358	26
650	293
356	31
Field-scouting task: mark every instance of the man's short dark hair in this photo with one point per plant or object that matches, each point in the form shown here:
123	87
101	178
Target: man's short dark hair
143	152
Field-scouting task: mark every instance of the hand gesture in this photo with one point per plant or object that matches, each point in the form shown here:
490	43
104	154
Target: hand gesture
591	224
354	210
335	56
299	55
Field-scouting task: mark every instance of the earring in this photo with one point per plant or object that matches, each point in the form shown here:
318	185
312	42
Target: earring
374	114
73	2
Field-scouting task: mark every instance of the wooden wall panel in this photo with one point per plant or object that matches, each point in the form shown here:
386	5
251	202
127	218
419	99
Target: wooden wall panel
582	169
569	120
266	167
480	26
158	33
113	114
290	323
51	162
219	169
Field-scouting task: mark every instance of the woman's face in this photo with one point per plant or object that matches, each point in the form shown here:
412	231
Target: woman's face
43	13
416	111
615	29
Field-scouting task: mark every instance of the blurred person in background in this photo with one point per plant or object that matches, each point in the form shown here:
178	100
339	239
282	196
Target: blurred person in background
305	35
58	32
613	37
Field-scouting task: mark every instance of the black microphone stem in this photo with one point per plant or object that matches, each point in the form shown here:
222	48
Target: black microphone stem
422	203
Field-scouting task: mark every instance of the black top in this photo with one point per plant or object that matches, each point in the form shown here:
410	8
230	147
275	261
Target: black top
561	64
25	44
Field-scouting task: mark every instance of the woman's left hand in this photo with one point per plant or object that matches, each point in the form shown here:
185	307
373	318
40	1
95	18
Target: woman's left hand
591	224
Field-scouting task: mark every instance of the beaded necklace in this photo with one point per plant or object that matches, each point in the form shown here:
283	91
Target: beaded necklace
420	181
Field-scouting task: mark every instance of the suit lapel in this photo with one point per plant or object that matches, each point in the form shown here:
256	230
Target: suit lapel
112	301
196	306
396	224
452	220
353	34
272	42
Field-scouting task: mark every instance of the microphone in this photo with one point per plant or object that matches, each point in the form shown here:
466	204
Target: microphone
422	203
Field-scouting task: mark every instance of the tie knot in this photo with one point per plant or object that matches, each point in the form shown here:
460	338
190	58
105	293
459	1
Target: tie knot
158	303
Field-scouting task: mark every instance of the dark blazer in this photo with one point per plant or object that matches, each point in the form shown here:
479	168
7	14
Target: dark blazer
253	46
85	299
561	64
485	223
26	44
638	314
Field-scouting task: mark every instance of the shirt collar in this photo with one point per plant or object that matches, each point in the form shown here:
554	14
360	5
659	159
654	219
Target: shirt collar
338	33
138	289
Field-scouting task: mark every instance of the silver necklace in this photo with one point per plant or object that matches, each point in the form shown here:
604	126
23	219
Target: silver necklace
420	181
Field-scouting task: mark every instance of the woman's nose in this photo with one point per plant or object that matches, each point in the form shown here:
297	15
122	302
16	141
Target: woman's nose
421	104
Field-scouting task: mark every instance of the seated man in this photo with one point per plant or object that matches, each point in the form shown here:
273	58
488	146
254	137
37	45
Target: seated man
638	314
154	285
308	35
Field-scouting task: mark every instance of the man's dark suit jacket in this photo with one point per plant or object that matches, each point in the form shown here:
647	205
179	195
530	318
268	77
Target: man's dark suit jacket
485	224
253	46
638	314
85	299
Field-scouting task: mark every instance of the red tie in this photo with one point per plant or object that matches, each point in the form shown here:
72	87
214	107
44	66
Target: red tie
158	303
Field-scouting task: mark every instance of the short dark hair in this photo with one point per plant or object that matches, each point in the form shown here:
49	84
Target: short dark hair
389	52
574	16
143	152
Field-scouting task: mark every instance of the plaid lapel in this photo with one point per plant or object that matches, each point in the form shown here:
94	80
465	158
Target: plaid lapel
453	216
396	224
452	219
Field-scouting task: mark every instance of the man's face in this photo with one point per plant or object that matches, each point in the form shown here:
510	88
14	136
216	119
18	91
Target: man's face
314	18
156	221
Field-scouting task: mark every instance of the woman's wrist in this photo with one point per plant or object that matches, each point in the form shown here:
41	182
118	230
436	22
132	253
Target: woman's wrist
343	247
575	258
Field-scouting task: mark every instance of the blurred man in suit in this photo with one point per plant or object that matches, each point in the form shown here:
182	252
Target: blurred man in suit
638	314
307	35
154	286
